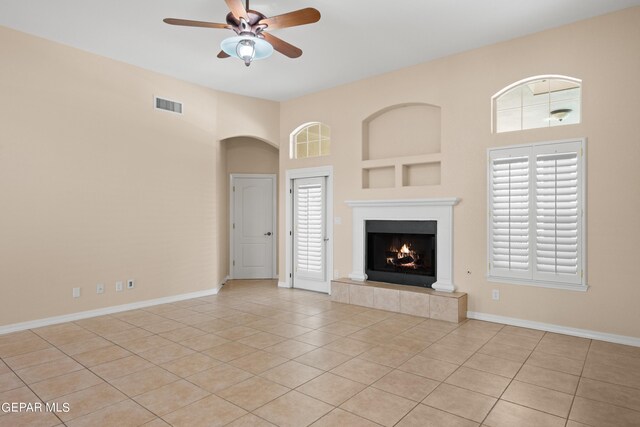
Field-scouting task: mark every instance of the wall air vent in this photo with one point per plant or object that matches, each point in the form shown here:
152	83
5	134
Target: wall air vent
168	105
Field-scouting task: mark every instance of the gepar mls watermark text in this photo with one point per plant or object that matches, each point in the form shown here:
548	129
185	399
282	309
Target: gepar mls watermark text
18	407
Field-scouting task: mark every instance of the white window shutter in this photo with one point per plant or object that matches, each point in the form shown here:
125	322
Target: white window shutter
309	228
509	204
558	210
536	219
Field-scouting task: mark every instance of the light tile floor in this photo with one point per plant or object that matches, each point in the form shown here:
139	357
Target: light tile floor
257	355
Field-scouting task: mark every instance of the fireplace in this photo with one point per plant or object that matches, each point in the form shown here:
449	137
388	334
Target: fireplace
440	210
402	252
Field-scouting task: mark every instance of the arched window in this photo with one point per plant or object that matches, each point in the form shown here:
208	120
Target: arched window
310	140
537	102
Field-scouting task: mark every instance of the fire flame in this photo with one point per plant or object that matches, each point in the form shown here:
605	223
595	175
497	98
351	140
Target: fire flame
404	258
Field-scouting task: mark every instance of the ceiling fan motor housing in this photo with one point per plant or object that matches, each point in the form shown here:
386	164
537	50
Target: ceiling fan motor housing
243	26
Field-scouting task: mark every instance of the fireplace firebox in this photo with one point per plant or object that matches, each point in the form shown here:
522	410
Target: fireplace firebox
402	252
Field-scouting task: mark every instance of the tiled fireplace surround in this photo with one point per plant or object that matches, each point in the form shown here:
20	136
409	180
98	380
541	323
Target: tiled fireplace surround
441	302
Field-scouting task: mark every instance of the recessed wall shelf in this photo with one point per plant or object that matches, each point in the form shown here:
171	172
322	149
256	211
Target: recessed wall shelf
420	174
379	177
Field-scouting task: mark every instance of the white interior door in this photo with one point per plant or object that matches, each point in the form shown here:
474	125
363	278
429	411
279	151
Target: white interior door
253	227
310	234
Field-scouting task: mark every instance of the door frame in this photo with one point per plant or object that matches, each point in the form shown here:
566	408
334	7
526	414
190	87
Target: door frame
274	219
291	175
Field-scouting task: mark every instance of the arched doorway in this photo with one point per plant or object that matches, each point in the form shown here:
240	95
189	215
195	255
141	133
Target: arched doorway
251	170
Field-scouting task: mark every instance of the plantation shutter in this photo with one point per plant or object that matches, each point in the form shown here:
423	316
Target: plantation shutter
536	230
558	210
309	228
509	246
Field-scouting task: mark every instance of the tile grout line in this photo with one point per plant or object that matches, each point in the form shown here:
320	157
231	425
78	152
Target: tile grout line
86	388
573	399
512	380
291	302
30	389
459	366
97	375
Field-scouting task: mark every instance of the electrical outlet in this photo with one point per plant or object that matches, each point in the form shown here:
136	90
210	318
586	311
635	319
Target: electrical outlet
100	288
119	286
336	274
76	292
495	294
131	284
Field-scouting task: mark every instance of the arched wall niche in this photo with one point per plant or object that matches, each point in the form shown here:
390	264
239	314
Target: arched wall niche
401	146
401	130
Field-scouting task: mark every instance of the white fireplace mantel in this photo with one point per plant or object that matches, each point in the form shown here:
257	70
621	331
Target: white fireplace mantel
440	210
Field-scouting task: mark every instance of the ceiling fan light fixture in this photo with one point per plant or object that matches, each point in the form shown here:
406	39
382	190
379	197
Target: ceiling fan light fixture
247	48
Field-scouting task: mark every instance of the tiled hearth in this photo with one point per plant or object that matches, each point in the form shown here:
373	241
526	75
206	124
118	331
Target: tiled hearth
417	301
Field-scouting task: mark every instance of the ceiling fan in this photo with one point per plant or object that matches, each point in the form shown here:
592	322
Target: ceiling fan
252	41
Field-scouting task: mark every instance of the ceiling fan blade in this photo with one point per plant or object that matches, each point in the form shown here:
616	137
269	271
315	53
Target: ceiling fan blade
222	54
189	23
292	19
237	8
282	46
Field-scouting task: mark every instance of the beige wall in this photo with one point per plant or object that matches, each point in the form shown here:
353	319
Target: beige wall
241	116
96	186
601	51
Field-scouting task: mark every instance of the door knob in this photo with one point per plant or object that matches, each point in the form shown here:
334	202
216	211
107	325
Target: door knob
268	233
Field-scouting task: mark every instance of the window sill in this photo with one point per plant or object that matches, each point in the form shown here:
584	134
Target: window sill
539	283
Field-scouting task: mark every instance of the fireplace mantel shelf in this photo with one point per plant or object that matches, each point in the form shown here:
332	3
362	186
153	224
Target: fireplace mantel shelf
436	209
448	201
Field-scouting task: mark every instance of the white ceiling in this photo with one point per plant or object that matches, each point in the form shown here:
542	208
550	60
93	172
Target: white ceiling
353	40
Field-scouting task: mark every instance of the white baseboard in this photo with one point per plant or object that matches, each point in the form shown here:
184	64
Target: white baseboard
15	327
283	285
583	333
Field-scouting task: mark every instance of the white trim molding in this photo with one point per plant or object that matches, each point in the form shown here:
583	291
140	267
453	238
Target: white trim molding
15	327
538	284
448	201
440	210
549	327
290	176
